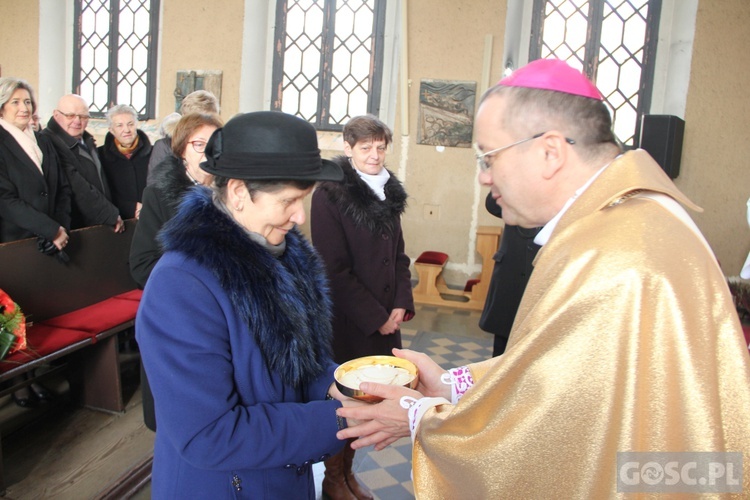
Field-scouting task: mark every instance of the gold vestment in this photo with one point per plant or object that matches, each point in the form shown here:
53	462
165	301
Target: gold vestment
626	340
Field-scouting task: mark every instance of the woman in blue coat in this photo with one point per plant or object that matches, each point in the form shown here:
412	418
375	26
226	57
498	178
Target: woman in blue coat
234	324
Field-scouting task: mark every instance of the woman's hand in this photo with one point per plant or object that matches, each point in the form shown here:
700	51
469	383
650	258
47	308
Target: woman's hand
61	238
336	394
346	401
397	315
119	225
388	328
394	322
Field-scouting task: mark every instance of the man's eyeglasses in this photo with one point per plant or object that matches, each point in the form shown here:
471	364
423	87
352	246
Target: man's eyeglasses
198	146
482	157
71	116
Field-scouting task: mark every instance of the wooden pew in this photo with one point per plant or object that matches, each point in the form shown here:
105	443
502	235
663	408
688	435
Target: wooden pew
76	311
431	287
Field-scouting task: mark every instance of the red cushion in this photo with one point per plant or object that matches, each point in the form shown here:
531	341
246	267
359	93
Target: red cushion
42	340
98	317
746	331
131	295
434	258
470	284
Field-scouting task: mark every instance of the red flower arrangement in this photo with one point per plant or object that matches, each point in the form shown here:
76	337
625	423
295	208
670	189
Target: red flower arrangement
12	326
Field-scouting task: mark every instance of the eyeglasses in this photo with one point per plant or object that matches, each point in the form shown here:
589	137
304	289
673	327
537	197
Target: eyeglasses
71	116
481	157
198	146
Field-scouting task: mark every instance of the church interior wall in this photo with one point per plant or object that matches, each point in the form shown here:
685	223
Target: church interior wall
448	40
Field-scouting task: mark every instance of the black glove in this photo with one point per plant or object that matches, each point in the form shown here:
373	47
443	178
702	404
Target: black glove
48	248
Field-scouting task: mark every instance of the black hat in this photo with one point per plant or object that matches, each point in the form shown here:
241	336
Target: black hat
268	145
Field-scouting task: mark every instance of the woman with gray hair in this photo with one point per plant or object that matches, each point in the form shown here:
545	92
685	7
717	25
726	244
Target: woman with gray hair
34	192
124	158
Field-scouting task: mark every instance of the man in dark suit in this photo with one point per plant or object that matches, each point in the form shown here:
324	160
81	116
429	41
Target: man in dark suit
92	201
513	265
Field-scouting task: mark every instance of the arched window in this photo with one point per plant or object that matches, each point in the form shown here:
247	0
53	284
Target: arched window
328	59
613	42
114	61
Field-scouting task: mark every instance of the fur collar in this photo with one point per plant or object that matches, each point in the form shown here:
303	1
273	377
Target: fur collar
355	199
284	301
169	177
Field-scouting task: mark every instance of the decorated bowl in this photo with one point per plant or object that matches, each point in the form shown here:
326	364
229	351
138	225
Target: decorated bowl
388	370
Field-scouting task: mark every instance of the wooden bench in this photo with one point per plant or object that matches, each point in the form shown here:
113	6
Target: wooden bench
429	266
432	288
76	311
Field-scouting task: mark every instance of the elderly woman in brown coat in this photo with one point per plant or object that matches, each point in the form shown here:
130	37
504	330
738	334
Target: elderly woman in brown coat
356	228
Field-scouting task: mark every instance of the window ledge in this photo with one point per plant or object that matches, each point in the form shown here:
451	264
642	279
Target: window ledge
330	143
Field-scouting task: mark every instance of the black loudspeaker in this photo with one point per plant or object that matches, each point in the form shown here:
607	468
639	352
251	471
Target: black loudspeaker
661	137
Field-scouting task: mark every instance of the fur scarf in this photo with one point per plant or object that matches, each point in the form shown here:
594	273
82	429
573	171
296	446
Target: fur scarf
284	301
170	179
355	199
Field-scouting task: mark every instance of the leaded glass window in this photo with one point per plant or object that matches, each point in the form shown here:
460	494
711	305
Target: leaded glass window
613	42
328	59
115	54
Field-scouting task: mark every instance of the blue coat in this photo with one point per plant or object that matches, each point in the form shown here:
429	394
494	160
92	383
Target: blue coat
236	346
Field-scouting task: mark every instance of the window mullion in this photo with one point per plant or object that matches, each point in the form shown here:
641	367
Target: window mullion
153	56
537	27
649	59
593	38
77	13
114	50
279	41
326	63
378	30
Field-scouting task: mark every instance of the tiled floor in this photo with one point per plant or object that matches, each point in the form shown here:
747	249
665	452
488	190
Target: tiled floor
452	338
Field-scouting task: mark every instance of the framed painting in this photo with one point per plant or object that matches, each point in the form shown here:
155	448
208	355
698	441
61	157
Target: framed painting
446	113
